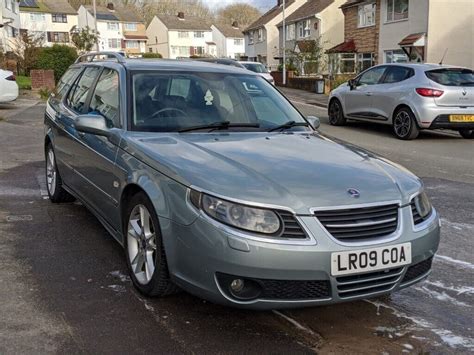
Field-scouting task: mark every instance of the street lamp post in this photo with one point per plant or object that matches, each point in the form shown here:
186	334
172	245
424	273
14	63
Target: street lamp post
95	26
284	44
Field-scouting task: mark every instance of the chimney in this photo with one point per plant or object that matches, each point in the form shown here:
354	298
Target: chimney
110	6
235	24
181	15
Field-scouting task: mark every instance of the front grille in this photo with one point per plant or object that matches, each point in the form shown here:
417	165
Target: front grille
417	219
364	284
359	224
417	270
291	228
294	290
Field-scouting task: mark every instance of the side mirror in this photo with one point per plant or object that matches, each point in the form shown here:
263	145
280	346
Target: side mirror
352	84
314	122
93	124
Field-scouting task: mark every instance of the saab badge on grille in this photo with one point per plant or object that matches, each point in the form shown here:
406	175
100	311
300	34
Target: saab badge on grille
353	192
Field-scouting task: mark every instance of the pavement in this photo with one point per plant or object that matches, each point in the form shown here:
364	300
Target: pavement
305	97
64	286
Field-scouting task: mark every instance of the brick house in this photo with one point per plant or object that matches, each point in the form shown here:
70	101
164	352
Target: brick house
359	50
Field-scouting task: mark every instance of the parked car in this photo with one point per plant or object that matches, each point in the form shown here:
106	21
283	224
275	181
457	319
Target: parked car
212	181
410	97
223	61
8	86
260	69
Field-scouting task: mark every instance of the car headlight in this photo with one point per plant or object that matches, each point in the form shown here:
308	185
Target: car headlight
422	204
251	219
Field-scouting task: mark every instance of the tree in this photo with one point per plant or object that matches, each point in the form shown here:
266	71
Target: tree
58	58
308	56
171	7
243	14
26	48
84	39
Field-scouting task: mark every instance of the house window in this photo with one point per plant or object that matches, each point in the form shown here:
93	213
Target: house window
304	29
130	26
397	10
396	56
250	37
12	32
58	37
260	35
198	34
37	17
114	43
181	51
9	4
365	61
342	63
183	34
197	50
132	44
62	18
290	32
366	15
238	41
112	26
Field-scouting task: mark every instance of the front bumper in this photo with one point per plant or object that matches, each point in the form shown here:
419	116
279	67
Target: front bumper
199	254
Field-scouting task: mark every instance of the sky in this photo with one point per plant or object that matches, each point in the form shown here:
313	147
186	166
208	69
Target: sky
263	5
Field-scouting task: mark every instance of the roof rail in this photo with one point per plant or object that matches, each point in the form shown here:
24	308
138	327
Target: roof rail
89	57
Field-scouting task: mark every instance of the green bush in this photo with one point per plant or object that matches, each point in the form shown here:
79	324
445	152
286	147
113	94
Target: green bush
24	82
58	58
152	55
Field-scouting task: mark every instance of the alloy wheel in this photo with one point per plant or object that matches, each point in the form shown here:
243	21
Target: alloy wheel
334	112
402	124
141	244
51	172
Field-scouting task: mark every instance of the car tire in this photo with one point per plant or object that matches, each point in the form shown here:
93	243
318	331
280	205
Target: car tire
54	183
467	133
336	114
145	254
404	124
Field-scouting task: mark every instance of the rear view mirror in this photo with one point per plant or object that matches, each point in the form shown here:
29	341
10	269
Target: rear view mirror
93	124
314	122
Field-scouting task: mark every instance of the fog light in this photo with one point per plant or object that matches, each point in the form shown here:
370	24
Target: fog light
237	285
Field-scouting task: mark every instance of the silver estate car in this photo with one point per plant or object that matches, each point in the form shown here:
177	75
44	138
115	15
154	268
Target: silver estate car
214	183
410	97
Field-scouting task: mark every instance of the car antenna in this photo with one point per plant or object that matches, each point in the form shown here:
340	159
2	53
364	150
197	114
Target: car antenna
444	55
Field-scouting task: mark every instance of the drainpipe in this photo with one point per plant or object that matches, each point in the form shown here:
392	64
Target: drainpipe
95	26
284	45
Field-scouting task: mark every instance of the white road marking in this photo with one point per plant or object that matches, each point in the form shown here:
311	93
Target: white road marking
441	296
450	260
294	322
448	337
458	290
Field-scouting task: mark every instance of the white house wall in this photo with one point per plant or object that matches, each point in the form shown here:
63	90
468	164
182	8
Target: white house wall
13	15
45	24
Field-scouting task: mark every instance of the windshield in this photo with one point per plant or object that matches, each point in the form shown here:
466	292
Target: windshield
172	102
452	76
256	67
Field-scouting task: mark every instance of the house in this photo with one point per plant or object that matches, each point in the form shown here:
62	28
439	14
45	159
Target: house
9	24
121	29
229	40
360	47
315	23
262	38
175	36
49	20
419	31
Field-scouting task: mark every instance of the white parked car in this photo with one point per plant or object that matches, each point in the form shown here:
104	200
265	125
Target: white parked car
410	97
8	86
260	69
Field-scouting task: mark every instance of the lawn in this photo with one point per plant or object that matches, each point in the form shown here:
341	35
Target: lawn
24	82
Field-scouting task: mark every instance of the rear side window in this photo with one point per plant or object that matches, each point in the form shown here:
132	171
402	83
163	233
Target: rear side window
105	100
78	95
396	74
66	81
452	76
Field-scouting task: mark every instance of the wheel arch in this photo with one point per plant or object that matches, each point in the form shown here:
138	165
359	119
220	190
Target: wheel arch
404	105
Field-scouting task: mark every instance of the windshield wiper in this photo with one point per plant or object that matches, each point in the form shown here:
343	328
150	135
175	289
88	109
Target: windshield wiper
288	125
219	125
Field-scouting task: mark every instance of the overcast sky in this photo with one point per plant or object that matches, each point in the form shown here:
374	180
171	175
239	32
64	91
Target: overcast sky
263	5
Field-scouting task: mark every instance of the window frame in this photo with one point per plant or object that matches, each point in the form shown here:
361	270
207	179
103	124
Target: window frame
362	11
392	51
62	17
201	34
380	81
115	27
387	19
410	73
130	27
89	94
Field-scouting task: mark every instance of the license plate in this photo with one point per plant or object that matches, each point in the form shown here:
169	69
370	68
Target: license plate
364	260
461	118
